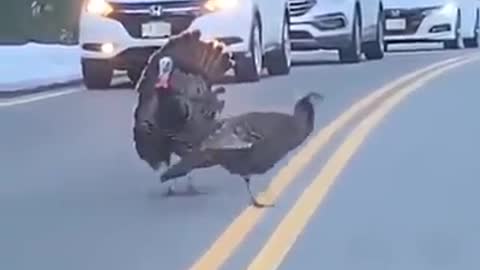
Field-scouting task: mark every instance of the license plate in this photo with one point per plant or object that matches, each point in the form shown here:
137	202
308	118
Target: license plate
396	24
156	29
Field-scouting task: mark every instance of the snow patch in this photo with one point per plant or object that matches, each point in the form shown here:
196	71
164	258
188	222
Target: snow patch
35	65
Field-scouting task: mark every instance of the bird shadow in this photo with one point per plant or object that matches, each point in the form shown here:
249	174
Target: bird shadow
163	192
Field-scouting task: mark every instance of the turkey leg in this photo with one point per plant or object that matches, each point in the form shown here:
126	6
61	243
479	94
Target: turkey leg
254	200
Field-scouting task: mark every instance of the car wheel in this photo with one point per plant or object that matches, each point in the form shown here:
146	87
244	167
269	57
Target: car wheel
374	50
457	42
279	61
353	52
250	68
475	41
97	74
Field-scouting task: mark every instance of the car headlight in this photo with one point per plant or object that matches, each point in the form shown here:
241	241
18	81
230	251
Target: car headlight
217	5
448	9
99	7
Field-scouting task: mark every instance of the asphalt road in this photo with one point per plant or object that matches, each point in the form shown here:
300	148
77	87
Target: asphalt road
74	195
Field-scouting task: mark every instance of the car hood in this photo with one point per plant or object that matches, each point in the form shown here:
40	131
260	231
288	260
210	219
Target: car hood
414	3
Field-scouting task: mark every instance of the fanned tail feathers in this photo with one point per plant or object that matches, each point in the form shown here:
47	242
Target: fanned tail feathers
195	56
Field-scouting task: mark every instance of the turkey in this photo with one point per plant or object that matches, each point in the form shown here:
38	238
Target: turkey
251	143
177	106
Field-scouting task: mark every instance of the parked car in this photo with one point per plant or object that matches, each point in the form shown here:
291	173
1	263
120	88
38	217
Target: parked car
455	23
351	27
121	34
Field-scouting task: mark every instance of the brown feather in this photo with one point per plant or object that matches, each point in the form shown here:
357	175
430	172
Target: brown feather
197	65
192	55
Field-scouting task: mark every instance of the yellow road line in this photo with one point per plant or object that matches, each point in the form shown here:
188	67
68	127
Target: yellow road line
226	244
284	237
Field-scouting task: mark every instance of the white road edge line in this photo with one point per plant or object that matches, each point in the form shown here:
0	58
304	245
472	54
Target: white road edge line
29	99
46	95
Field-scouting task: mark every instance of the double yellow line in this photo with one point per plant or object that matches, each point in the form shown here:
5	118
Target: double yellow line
283	238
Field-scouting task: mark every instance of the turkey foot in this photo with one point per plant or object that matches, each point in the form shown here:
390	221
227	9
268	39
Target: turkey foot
253	199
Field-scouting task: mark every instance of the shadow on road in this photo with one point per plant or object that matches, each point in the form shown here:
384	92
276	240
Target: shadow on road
317	62
419	50
161	192
122	85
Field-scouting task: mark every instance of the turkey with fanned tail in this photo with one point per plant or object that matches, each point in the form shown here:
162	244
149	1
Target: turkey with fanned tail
251	143
177	106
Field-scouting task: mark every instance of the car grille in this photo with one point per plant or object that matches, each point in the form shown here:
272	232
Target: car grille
414	18
300	7
179	14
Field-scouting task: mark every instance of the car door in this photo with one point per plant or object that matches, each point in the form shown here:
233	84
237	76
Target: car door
271	12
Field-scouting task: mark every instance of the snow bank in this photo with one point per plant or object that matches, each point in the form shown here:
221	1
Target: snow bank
34	65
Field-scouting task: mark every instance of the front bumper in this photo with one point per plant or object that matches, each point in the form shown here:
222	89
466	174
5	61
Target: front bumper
123	31
323	26
421	24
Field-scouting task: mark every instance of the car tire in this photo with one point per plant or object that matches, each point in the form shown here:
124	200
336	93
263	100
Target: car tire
457	42
279	61
97	74
353	53
374	50
475	41
250	68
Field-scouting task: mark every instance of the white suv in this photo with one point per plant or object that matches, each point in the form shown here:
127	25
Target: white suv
121	34
351	27
447	21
